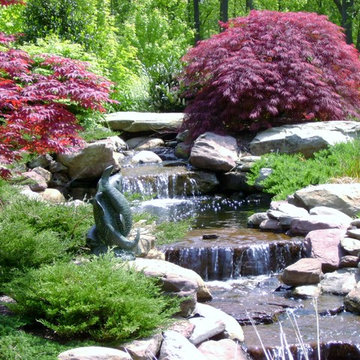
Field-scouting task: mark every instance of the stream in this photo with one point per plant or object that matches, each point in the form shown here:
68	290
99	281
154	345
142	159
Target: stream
241	267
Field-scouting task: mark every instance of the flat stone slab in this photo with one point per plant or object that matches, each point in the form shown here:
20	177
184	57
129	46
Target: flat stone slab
131	121
305	138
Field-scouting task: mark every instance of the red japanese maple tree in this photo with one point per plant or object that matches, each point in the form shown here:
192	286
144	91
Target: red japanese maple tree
37	98
270	68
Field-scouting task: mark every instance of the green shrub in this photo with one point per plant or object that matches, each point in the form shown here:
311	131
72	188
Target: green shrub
293	172
33	233
102	299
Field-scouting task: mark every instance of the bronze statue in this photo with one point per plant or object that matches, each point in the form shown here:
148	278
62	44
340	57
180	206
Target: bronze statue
113	220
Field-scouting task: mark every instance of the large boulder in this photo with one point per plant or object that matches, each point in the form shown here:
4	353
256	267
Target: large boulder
303	226
324	245
94	353
177	347
172	273
143	122
343	197
91	161
205	329
224	349
339	282
232	327
352	300
214	152
306	271
143	349
304	138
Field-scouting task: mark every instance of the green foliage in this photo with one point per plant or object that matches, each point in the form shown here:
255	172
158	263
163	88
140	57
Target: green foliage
16	344
103	299
33	233
293	172
97	133
170	232
11	19
164	88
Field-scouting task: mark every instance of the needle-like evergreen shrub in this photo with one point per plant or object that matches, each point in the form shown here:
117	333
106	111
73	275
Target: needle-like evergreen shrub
102	299
270	68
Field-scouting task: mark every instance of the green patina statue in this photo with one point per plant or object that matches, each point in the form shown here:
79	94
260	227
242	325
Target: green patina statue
113	220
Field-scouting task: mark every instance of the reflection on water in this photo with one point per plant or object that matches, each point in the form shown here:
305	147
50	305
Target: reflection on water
205	211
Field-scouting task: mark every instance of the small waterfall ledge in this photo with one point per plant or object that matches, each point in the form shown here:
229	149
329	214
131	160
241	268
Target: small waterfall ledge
234	253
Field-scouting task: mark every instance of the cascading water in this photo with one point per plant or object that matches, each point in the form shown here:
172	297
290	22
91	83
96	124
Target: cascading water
241	265
228	262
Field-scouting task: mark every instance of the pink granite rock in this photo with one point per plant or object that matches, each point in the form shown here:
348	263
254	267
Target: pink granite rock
324	245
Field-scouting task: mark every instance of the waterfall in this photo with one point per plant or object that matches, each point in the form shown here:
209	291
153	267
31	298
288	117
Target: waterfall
159	182
221	263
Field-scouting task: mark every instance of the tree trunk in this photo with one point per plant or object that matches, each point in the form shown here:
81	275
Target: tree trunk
197	21
249	5
224	10
346	9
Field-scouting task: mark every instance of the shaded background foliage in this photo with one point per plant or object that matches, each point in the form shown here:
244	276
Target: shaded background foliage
134	40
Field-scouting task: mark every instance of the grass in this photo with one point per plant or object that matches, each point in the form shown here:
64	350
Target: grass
171	232
293	172
16	344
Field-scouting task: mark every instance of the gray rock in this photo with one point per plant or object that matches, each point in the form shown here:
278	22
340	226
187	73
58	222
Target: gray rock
271	225
89	162
224	349
214	152
166	270
232	327
343	197
339	282
352	300
303	226
304	138
206	181
177	347
324	245
146	157
144	143
43	173
351	245
147	122
144	349
182	150
307	291
289	209
305	271
354	233
183	327
356	223
35	180
235	181
328	211
94	353
256	219
205	329
43	161
349	261
52	195
116	143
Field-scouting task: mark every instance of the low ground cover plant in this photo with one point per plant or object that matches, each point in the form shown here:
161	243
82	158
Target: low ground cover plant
16	344
102	299
33	233
270	68
293	172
